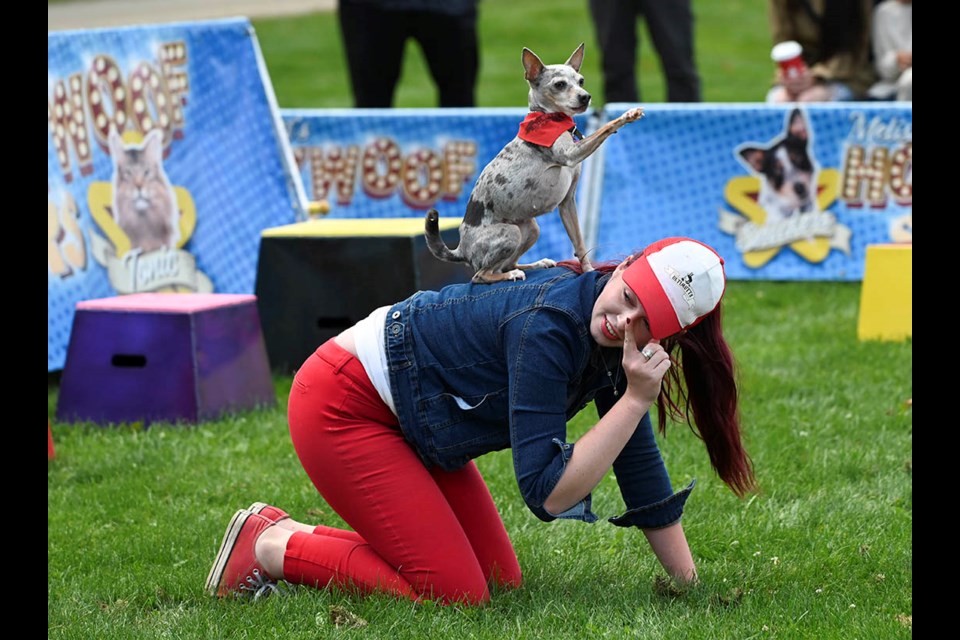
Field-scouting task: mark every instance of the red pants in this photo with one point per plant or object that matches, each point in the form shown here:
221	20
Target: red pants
417	532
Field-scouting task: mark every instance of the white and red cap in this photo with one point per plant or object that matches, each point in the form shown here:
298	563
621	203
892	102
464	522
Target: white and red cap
678	281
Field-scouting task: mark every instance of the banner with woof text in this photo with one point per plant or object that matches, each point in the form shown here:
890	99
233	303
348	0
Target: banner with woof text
390	163
777	205
166	158
782	192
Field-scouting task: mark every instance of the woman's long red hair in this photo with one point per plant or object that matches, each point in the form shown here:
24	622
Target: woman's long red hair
706	396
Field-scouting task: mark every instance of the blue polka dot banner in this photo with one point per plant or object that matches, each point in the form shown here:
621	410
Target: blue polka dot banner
166	158
782	192
399	163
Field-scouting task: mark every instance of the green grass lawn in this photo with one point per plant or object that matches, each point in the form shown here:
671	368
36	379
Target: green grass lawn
822	551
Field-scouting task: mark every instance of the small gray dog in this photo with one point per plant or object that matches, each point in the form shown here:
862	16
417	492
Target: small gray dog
535	173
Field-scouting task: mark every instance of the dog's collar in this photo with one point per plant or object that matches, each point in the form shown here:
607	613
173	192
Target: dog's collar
544	128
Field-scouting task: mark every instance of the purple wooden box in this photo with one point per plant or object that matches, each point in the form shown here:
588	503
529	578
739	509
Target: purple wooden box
178	357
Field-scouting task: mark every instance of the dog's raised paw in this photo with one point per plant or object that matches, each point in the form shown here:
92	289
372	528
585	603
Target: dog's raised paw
633	114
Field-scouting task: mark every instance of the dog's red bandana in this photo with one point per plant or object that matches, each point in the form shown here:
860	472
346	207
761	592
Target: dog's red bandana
544	128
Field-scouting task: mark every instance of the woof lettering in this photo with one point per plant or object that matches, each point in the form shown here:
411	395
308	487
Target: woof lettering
422	177
82	111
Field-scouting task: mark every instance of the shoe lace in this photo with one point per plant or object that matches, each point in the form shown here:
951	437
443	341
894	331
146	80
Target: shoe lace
259	584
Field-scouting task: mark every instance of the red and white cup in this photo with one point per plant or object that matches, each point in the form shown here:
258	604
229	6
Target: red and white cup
788	56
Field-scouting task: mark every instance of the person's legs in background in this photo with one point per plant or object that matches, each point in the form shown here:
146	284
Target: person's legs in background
450	47
671	27
373	41
615	22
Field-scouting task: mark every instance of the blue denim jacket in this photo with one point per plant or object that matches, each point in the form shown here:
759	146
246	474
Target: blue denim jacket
480	368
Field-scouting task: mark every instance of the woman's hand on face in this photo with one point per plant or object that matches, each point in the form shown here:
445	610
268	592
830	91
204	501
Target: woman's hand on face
644	374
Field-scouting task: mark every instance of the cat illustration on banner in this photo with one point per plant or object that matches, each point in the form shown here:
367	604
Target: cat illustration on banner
144	205
146	219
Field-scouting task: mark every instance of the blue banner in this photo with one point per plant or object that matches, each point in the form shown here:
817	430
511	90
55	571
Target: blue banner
782	192
398	163
166	157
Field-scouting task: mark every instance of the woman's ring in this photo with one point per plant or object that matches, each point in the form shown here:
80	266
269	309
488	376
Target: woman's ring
647	353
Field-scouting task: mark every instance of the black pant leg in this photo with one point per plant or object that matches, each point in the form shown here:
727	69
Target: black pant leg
615	22
450	47
670	23
373	41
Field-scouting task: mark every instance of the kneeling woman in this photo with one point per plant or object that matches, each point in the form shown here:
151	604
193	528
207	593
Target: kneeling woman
388	416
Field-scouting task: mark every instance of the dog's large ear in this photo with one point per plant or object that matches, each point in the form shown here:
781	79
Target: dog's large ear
532	65
753	156
797	125
576	58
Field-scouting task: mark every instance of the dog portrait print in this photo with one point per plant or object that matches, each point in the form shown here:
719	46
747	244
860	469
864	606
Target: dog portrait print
144	203
788	183
785	201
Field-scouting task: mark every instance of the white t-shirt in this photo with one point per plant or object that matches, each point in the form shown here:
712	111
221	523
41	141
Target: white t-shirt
368	339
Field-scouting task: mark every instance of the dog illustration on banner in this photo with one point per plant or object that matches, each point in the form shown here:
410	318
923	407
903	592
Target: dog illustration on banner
145	218
785	199
786	171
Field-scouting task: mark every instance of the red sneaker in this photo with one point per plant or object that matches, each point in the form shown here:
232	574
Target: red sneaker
236	569
268	511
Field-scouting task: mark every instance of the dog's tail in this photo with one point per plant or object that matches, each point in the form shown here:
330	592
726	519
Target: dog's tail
435	242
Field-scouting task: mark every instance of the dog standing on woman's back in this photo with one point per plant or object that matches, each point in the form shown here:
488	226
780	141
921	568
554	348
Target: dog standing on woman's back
535	173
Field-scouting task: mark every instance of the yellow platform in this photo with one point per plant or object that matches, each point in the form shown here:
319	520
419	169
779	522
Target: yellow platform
886	299
363	227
